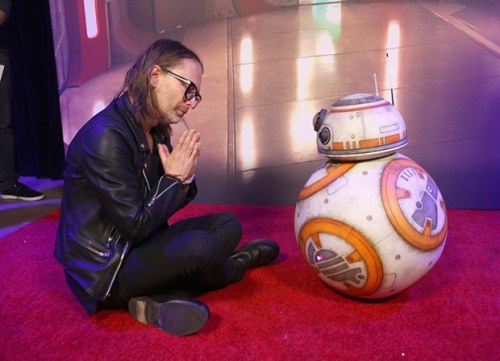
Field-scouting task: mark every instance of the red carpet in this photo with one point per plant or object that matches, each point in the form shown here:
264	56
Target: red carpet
281	312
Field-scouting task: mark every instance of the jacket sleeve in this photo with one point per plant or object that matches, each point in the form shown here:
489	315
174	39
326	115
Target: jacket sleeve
112	166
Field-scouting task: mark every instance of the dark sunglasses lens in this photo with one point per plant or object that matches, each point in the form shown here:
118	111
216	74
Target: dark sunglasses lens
191	92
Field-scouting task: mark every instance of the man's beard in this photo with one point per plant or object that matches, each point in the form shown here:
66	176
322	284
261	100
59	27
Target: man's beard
173	118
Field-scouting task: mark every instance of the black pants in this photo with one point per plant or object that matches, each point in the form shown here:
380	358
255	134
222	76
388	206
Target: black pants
8	174
187	259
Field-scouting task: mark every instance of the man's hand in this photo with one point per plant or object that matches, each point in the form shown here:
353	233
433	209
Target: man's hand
183	160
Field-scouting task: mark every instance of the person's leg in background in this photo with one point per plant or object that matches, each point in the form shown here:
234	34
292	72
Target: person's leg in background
10	187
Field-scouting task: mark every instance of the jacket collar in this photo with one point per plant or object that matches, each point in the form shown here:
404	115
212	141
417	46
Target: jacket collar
125	108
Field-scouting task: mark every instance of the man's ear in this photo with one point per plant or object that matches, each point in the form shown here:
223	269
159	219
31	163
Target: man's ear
154	74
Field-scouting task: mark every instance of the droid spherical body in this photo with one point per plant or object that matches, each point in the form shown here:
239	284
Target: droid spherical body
370	228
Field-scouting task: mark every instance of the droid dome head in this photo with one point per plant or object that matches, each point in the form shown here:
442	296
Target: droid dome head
359	127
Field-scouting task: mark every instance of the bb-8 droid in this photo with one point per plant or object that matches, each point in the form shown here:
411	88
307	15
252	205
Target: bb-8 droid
371	222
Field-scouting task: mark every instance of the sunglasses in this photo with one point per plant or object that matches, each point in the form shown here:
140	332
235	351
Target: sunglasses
191	89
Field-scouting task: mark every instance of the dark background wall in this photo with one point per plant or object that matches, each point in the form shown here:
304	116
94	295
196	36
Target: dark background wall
35	98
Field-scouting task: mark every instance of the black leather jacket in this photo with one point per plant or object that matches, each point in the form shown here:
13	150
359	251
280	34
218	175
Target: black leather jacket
108	204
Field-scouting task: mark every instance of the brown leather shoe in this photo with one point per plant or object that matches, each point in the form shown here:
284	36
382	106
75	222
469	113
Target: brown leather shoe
257	253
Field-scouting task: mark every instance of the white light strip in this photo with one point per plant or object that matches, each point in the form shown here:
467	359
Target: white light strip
90	18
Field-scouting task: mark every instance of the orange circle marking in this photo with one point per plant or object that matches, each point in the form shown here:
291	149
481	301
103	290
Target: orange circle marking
391	196
363	251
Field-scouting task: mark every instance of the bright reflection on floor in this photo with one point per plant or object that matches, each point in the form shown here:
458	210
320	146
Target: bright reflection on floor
334	14
324	44
328	18
392	46
247	146
302	134
246	58
305	67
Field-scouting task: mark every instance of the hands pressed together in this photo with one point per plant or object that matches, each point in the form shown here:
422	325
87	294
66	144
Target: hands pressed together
183	159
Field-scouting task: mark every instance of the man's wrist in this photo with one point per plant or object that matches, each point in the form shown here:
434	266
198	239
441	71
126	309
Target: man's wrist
189	180
179	179
174	177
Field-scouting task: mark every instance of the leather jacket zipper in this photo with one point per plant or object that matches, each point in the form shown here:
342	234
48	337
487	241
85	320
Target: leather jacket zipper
122	256
98	253
158	195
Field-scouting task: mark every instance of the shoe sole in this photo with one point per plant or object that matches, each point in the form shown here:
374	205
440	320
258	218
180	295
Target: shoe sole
177	317
37	198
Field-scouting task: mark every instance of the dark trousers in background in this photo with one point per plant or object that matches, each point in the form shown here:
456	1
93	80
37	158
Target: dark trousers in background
8	174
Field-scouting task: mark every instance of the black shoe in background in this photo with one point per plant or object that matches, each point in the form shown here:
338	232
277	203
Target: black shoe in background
21	192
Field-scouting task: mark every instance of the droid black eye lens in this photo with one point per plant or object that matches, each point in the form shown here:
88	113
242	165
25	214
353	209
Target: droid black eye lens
324	135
